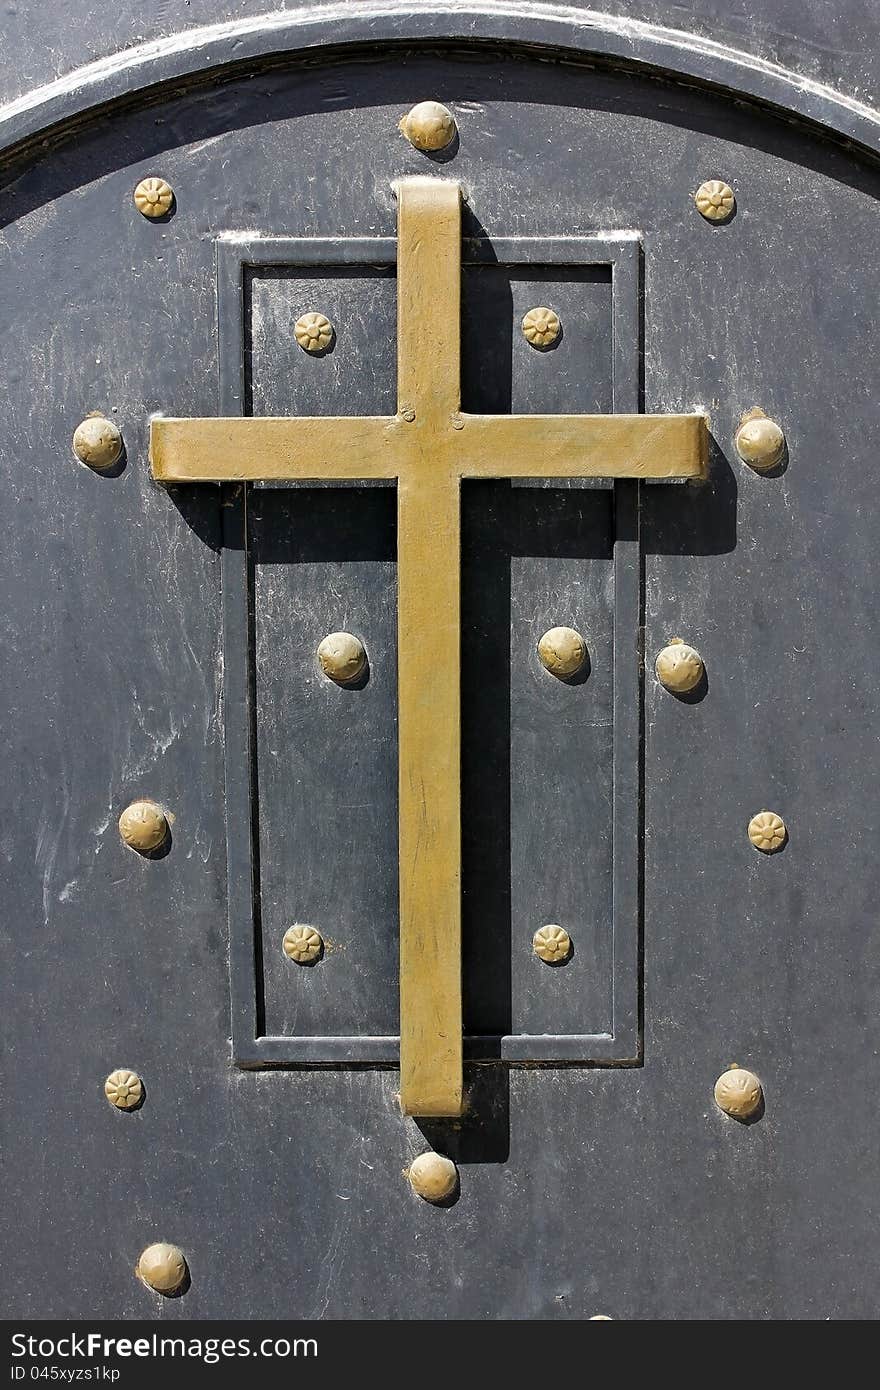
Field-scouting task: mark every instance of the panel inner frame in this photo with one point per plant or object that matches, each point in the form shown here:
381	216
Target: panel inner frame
237	258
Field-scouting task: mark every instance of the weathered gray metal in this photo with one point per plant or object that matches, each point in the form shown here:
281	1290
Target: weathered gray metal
584	1189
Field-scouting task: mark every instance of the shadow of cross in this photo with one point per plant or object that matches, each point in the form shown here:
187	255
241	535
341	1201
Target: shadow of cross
428	447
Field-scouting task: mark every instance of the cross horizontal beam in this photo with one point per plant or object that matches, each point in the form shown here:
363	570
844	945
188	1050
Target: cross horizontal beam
322	448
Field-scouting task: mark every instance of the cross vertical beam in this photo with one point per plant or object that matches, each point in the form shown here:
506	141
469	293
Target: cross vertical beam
429	661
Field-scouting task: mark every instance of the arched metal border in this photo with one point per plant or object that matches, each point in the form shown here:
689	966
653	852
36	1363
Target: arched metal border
560	28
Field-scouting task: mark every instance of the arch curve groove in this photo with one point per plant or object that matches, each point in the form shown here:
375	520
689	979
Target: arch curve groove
547	28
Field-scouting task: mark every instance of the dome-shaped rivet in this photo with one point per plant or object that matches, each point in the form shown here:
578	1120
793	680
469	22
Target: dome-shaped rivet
143	826
342	657
433	1177
302	944
314	332
715	200
162	1267
759	441
552	944
767	832
541	327
738	1092
97	442
562	651
679	667
124	1089
153	197
429	126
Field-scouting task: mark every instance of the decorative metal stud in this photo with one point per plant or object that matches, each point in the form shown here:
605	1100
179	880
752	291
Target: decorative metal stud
314	332
767	832
562	651
342	657
552	944
433	1177
153	197
124	1089
715	200
303	944
541	327
143	826
759	441
738	1092
97	442
429	126
162	1267
679	667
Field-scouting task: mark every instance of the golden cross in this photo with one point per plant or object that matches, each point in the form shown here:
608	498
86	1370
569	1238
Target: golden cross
428	447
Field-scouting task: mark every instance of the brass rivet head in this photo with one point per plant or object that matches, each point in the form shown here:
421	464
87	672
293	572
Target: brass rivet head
562	651
715	200
162	1267
153	197
541	327
679	667
97	442
302	944
759	441
433	1177
124	1089
767	832
342	657
429	126
738	1092
143	826
552	944
314	332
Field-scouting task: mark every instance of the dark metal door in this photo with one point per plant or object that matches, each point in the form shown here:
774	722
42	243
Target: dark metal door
160	645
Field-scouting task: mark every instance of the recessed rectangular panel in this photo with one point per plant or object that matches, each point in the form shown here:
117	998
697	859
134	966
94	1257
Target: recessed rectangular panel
503	372
550	769
562	780
323	561
537	759
355	375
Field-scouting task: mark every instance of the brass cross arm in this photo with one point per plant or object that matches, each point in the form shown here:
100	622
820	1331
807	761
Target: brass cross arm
428	447
320	448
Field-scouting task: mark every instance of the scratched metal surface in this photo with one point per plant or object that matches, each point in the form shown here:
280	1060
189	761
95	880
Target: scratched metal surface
604	1190
828	43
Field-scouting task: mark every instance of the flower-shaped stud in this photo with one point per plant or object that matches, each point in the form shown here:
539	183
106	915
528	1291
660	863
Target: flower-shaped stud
552	944
313	332
153	197
429	126
302	944
162	1267
767	832
97	442
124	1089
715	200
679	667
738	1092
541	327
